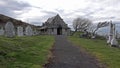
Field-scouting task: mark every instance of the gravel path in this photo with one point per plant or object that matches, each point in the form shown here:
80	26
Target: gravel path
68	56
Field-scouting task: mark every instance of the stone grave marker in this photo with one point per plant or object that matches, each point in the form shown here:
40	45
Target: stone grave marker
110	33
2	31
114	41
20	31
28	31
9	29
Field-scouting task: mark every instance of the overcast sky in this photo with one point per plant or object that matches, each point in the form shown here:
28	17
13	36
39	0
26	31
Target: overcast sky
38	11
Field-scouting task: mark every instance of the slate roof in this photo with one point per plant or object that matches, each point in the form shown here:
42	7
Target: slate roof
55	22
50	20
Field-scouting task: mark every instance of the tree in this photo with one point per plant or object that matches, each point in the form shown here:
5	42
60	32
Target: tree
100	25
81	24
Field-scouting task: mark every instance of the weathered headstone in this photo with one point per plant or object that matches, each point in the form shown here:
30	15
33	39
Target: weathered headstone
9	29
110	33
2	31
114	41
28	31
20	31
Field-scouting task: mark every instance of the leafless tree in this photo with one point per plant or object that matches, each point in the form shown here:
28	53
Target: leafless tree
81	24
91	28
100	25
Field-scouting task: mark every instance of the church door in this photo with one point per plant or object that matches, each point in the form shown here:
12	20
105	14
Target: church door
59	31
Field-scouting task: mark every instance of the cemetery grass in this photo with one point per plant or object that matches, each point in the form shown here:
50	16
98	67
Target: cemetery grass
25	52
109	56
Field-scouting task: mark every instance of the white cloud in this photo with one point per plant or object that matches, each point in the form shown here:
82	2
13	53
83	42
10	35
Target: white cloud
41	10
2	2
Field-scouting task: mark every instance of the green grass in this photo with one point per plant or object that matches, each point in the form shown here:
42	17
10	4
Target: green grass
98	48
77	34
25	52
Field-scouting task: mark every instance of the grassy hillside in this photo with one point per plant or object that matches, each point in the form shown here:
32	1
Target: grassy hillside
25	52
98	48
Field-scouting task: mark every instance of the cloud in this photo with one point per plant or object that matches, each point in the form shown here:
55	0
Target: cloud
49	12
12	8
38	11
39	19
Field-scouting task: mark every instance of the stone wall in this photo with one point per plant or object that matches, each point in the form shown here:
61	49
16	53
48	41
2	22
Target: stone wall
54	31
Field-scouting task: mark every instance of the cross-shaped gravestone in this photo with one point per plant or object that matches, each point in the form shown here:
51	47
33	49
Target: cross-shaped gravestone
110	33
114	41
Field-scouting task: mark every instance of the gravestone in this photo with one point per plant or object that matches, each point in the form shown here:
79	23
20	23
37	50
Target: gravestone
20	31
28	31
9	29
110	33
114	41
1	31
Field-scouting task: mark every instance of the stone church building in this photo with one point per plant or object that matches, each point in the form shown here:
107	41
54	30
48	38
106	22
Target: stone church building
55	26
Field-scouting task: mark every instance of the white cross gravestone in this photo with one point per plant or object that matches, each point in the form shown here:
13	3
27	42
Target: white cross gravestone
114	41
9	29
1	31
110	33
28	31
20	31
